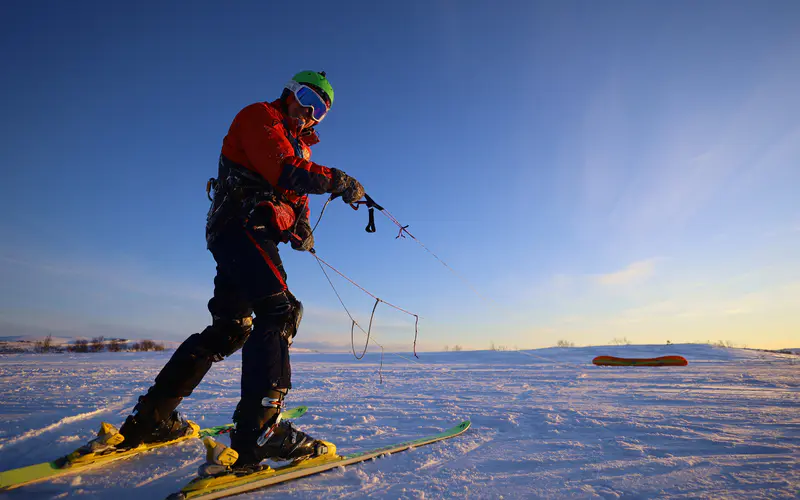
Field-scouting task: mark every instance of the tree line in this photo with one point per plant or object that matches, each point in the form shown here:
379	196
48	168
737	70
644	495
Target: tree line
96	344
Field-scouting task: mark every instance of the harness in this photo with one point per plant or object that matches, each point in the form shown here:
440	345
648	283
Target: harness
237	193
240	192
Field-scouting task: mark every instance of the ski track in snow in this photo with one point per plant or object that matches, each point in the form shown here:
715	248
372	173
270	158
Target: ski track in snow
66	420
545	425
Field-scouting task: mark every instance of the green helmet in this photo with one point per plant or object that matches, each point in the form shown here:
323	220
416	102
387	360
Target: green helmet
318	82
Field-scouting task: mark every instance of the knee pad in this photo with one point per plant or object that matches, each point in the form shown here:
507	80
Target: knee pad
281	313
292	323
226	336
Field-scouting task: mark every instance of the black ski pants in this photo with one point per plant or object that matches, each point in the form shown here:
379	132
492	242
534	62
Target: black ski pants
250	280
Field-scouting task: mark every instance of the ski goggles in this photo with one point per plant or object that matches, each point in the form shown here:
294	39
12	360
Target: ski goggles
309	99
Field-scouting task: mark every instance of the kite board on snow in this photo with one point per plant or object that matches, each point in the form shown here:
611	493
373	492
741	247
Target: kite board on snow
661	361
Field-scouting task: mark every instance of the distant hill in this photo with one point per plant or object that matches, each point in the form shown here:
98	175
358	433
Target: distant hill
28	343
36	343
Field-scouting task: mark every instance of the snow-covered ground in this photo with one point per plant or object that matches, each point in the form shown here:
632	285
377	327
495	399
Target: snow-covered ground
546	423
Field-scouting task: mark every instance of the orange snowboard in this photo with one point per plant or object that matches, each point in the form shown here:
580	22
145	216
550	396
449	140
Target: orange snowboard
662	361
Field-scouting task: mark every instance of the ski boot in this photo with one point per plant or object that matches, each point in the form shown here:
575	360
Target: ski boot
260	433
154	420
285	443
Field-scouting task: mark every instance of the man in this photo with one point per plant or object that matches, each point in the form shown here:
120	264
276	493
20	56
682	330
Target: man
260	200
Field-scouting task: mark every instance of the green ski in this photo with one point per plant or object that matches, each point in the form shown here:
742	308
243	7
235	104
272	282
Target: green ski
224	429
74	463
221	486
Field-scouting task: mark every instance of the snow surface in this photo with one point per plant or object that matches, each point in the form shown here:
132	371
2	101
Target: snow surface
546	423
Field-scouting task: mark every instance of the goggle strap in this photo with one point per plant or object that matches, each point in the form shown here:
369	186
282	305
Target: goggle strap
293	85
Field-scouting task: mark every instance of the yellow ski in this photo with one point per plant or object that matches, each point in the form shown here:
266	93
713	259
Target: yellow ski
209	488
78	461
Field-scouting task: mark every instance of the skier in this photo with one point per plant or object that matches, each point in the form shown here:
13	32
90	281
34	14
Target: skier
260	200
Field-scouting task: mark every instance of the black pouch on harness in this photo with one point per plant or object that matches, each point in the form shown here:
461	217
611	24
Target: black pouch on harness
236	193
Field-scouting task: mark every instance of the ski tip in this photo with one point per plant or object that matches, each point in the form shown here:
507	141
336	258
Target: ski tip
295	412
464	425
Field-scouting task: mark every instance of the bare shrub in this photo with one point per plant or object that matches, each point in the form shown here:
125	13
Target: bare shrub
147	345
45	345
80	345
98	344
117	345
5	348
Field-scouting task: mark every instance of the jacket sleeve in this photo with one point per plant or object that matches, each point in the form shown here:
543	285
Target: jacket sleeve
273	156
303	176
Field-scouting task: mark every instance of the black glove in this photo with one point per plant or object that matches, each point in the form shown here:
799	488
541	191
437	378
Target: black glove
347	187
305	238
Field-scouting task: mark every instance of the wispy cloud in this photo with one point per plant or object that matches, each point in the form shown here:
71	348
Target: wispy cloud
636	272
319	345
782	230
636	182
124	275
708	303
88	295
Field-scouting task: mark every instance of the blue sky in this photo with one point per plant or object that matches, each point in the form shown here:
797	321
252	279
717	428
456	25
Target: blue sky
593	170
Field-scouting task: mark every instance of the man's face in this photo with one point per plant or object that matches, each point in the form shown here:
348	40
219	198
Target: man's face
302	114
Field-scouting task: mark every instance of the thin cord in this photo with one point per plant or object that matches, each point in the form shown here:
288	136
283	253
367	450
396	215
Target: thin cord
361	288
404	229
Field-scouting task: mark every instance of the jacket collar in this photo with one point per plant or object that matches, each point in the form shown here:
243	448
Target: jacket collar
309	137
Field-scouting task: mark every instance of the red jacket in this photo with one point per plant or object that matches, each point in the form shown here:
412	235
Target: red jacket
259	141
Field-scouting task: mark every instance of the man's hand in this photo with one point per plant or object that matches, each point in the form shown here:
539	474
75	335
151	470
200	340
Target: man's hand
347	187
305	238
